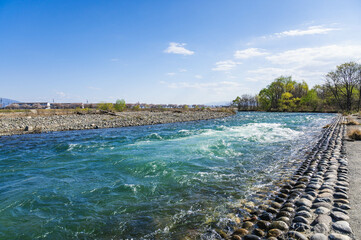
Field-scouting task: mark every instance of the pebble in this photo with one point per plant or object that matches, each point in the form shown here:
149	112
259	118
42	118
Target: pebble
304	202
323	199
251	237
322	204
321	228
241	232
304	214
266	216
339	216
336	236
284	214
342	226
304	208
301	220
323	219
297	235
322	210
274	233
276	205
247	225
258	232
340	195
301	227
272	238
284	219
236	237
279	225
271	210
342	206
319	236
264	225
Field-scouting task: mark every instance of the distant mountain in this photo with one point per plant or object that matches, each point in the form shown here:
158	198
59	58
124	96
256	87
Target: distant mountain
5	102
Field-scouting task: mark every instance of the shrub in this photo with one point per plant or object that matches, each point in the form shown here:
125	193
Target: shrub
106	106
136	108
351	121
354	134
120	105
185	107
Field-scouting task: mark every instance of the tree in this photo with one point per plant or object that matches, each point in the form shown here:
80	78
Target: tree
310	100
106	106
343	82
120	105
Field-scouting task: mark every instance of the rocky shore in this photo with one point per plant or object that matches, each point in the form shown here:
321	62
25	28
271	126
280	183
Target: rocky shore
37	124
313	204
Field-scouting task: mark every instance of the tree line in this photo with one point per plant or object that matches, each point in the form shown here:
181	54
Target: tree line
340	92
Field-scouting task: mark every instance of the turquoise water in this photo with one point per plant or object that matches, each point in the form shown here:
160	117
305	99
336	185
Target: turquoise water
151	182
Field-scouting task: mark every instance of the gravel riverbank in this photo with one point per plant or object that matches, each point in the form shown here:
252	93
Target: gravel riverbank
314	204
37	124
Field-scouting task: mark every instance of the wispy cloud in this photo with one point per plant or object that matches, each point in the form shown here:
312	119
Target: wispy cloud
310	64
317	55
170	74
178	48
182	70
249	52
225	65
312	30
198	76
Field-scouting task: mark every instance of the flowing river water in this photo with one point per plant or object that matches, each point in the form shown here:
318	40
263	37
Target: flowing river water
170	181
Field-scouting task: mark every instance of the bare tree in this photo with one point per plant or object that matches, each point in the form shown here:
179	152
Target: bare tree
342	83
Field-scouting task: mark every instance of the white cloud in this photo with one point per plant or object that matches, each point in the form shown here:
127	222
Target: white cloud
178	48
309	64
225	65
114	60
170	74
198	76
312	30
319	56
182	70
249	52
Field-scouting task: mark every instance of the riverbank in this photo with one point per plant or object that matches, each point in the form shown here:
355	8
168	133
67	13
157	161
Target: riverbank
314	204
13	124
353	149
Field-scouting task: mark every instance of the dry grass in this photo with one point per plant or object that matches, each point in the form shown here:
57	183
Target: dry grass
354	134
351	121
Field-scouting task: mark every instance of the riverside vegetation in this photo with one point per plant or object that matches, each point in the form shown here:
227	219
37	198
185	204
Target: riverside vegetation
341	92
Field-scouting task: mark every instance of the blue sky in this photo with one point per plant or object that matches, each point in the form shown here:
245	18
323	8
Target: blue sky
182	51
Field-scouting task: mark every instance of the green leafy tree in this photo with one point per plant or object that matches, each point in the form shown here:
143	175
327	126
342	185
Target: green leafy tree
120	105
310	100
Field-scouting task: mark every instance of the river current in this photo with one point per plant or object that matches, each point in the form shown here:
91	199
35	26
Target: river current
169	181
